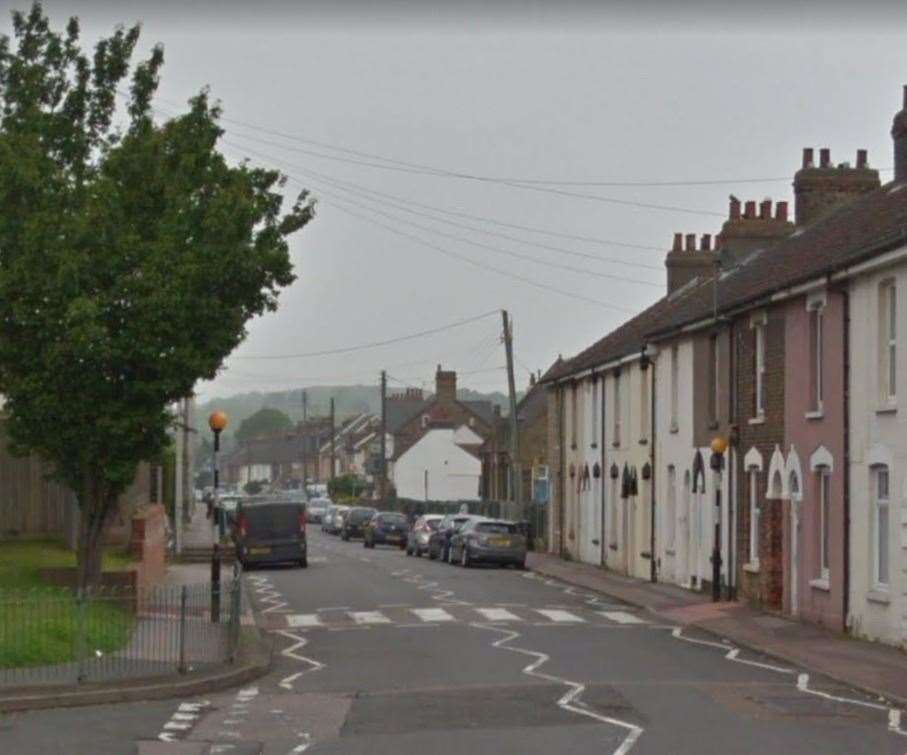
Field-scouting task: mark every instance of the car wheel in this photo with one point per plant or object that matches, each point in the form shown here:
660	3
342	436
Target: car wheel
450	555
345	537
402	546
409	551
304	562
464	558
431	555
521	565
364	543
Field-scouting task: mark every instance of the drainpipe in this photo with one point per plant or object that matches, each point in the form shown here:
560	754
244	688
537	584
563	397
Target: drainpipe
845	295
604	531
653	568
732	458
560	474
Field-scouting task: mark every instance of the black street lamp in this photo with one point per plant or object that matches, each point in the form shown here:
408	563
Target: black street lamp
217	421
719	446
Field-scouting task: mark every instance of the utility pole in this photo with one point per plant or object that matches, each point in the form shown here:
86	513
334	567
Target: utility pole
333	447
516	475
382	485
302	437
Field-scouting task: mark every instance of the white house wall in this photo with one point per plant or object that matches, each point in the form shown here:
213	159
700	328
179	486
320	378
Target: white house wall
878	435
452	473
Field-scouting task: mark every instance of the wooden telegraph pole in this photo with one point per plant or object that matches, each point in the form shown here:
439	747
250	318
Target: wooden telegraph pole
382	484
516	475
333	447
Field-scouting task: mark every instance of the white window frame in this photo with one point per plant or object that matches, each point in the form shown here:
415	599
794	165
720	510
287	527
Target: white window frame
823	478
671	518
888	298
594	441
675	388
758	324
881	510
617	408
753	473
645	404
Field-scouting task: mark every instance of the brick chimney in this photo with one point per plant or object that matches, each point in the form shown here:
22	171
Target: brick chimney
753	230
687	261
445	386
899	134
820	189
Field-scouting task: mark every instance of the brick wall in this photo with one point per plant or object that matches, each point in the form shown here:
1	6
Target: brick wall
764	588
148	544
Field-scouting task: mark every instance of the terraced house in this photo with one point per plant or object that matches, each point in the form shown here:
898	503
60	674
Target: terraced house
783	340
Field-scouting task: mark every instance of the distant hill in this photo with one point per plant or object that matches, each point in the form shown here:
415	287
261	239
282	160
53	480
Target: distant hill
348	400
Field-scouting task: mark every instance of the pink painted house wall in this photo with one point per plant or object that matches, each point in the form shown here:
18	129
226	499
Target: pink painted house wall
805	432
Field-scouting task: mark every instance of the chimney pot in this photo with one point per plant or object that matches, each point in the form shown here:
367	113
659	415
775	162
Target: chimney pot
781	211
706	242
765	209
862	158
905	96
807	157
678	243
691	242
825	157
734	211
749	209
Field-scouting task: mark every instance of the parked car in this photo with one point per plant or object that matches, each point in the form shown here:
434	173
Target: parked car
490	541
419	534
439	540
316	509
270	530
385	528
354	522
333	519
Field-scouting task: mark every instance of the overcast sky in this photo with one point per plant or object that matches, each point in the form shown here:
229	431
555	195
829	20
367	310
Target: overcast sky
512	91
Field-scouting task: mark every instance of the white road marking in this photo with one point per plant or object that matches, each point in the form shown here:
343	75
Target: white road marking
498	614
622	617
293	652
560	616
369	617
569	701
731	654
295	620
432	614
334	608
178	725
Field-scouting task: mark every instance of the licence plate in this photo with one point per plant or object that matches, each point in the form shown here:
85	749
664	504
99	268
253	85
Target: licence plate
502	541
259	551
393	538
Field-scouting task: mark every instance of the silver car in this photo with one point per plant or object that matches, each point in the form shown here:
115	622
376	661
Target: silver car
488	541
316	509
420	534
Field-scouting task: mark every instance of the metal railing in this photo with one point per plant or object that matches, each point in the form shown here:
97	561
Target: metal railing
56	636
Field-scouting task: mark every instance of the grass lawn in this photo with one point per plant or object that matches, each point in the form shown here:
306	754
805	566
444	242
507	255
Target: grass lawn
38	622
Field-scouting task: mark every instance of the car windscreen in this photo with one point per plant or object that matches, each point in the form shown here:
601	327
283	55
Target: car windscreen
393	519
274	520
497	528
433	524
360	515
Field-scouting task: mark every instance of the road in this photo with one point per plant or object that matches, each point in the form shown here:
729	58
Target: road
384	654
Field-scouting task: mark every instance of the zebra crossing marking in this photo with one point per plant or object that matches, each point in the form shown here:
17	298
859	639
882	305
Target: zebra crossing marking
369	617
559	616
297	620
622	617
432	614
498	614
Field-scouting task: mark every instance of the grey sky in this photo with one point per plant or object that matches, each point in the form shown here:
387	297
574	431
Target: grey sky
520	91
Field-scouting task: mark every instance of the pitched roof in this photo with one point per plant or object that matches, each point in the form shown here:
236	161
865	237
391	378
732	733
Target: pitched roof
869	225
484	410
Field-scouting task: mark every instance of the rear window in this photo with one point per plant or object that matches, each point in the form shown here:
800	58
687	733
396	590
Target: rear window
433	524
498	528
278	519
360	515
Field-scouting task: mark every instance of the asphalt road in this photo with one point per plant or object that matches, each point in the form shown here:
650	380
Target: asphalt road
380	653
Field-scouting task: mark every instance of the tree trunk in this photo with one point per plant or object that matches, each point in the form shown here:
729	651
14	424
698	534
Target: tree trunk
94	506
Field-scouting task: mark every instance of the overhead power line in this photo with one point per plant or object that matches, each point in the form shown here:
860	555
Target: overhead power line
373	344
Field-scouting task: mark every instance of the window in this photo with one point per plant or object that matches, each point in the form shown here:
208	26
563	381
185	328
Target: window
612	516
880	527
754	517
425	420
644	404
617	408
888	340
594	412
759	368
675	373
713	378
573	400
823	479
815	358
670	513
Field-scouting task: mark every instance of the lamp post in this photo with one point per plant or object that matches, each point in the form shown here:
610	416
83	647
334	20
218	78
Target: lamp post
217	421
719	446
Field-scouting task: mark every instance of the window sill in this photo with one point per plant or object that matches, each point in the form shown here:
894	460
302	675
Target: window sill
752	568
759	419
820	584
815	414
887	409
879	596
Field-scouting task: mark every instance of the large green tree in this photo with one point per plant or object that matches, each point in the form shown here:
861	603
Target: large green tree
132	255
266	421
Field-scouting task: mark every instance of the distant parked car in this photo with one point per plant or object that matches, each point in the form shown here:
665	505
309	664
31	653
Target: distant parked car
333	519
316	509
385	528
439	540
270	531
490	541
419	534
354	522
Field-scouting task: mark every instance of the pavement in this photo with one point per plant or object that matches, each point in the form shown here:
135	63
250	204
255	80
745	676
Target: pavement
379	653
878	669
